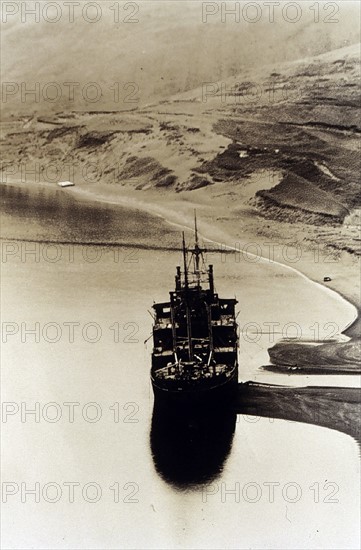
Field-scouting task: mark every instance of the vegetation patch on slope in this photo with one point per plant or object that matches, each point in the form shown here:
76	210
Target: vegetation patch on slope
147	171
296	192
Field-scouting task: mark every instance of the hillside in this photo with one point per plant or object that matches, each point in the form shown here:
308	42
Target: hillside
309	141
162	51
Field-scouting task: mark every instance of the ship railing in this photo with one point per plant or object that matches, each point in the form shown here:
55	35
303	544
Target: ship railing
182	339
194	338
187	373
228	320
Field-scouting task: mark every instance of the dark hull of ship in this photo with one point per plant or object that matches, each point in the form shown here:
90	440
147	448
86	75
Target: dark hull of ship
199	395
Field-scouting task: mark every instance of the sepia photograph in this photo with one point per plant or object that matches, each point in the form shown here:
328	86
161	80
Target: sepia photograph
180	275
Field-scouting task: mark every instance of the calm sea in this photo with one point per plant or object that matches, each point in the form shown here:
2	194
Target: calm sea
78	279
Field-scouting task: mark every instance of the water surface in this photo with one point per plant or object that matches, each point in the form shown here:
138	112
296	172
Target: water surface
102	293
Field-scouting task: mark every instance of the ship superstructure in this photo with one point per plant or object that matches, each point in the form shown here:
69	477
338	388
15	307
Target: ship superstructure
194	334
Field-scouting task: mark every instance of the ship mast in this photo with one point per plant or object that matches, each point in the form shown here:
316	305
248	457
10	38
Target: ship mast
185	263
188	312
197	250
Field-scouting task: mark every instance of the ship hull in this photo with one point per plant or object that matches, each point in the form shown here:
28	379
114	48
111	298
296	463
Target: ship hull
213	395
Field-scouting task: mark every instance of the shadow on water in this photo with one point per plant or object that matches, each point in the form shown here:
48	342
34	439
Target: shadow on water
330	407
190	449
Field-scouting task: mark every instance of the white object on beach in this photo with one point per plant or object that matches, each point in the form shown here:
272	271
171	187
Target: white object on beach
66	183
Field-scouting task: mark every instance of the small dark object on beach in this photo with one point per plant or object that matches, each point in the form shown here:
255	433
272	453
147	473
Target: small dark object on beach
327	279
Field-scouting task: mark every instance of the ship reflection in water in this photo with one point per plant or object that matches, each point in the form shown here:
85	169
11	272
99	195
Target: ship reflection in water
190	448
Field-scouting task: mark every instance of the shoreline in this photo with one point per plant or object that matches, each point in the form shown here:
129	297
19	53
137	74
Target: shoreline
165	209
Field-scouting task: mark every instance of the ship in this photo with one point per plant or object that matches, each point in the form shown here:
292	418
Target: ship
195	337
